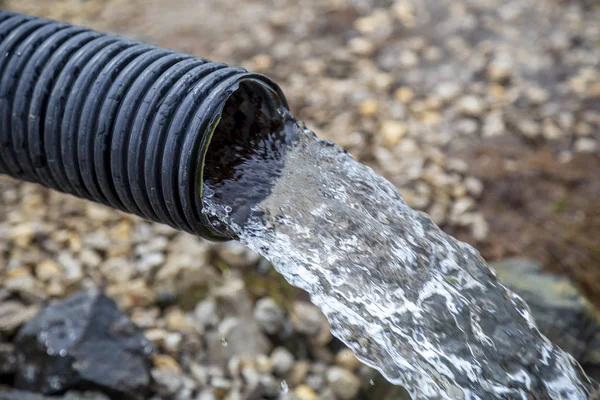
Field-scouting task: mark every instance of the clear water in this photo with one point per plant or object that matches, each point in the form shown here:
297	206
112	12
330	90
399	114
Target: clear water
409	300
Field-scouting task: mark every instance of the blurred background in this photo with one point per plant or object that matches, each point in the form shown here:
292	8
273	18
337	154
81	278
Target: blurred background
484	113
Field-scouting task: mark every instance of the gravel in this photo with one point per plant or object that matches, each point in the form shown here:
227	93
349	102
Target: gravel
398	83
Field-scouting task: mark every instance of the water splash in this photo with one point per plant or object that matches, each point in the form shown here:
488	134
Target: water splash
409	300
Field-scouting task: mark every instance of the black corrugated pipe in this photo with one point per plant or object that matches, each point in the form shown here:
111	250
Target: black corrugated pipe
120	122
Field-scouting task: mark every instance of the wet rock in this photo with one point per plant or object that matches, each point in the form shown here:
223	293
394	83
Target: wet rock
269	315
344	383
83	341
8	360
561	312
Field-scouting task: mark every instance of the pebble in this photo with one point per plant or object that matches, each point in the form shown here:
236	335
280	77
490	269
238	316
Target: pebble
361	46
448	91
345	358
13	314
393	131
177	320
344	383
269	315
298	373
472	106
529	128
586	145
404	95
305	392
48	270
282	361
368	108
308	319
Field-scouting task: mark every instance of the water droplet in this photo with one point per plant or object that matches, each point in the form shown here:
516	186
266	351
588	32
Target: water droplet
62	353
284	387
208	193
228	209
50	351
224	342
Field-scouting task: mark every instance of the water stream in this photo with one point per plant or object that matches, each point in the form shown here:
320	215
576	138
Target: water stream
409	300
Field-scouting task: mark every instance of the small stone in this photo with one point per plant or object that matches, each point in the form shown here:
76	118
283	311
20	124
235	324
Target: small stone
282	361
13	314
236	255
71	267
537	95
471	106
305	392
157	336
344	383
206	315
408	59
551	131
307	319
404	95
55	289
176	320
90	258
261	63
500	70
168	380
48	270
393	131
474	186
345	358
172	342
368	108
131	294
361	46
586	145
298	373
263	364
269	315
22	234
239	337
117	270
479	227
150	261
448	91
529	128
20	281
494	124
467	126
165	362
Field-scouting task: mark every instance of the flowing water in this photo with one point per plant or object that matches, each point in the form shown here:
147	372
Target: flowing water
409	300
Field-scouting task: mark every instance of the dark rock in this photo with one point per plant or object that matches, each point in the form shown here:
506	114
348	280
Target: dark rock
8	362
83	342
22	395
560	310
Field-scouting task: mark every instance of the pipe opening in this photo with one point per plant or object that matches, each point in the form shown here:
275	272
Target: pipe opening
246	151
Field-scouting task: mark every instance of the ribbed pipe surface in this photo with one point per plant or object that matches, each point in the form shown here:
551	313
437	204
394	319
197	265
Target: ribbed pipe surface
111	120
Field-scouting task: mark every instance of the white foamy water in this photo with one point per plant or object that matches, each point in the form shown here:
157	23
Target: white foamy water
409	300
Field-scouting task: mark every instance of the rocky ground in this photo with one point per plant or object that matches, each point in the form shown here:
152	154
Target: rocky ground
485	113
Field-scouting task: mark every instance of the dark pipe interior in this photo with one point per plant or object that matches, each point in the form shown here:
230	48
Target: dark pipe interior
246	152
